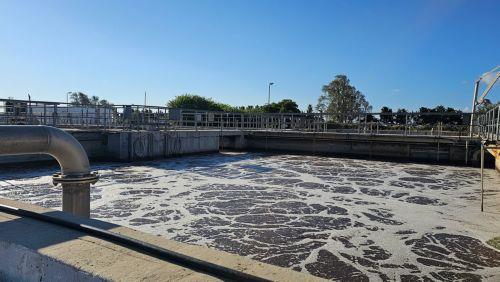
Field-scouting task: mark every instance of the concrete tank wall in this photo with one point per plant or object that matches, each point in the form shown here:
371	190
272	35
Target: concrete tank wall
128	146
428	149
142	145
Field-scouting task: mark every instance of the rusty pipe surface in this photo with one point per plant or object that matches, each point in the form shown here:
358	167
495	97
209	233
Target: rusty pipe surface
38	139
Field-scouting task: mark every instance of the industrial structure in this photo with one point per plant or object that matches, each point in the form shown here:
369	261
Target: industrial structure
72	133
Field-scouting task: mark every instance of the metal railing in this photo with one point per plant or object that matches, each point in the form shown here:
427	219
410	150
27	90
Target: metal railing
440	124
67	115
489	125
137	117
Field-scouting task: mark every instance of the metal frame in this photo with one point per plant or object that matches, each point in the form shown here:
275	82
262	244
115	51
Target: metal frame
475	101
137	117
489	125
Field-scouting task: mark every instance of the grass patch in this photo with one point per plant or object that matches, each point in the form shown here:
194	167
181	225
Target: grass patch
495	242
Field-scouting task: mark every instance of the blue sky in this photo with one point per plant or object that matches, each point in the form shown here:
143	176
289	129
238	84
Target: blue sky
398	53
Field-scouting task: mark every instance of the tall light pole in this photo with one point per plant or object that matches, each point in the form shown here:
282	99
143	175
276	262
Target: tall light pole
269	93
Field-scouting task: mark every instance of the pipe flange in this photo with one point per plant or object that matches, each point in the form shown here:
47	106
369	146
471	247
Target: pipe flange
59	178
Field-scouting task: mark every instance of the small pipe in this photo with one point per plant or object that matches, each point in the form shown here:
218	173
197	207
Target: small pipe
482	177
474	103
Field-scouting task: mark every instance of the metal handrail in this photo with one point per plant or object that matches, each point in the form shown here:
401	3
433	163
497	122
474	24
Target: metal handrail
140	117
489	125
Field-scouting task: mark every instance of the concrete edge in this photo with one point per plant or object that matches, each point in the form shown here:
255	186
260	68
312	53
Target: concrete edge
90	263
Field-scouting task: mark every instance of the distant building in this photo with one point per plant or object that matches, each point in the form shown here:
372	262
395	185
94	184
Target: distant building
41	112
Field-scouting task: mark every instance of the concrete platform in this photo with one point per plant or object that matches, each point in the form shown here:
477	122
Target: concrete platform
31	250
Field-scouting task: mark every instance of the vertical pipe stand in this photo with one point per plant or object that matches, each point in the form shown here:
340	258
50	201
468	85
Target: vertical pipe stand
76	192
76	199
482	177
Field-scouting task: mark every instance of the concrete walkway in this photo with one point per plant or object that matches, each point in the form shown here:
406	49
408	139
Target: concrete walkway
32	250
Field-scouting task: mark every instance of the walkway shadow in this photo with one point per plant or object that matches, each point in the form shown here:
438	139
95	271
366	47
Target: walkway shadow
35	234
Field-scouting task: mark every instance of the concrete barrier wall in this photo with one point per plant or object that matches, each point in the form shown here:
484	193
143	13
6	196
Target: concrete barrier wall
142	145
129	146
19	263
428	149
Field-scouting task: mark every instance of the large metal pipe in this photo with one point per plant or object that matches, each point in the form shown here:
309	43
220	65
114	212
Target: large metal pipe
28	139
75	176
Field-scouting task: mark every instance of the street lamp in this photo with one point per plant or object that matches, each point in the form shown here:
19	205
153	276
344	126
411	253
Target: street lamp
269	93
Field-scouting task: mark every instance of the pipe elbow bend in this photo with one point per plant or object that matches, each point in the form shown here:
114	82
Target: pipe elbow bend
68	152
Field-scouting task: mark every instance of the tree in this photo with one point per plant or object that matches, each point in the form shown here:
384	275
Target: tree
452	116
79	98
283	106
288	106
270	108
422	118
439	109
432	116
309	109
486	106
94	100
104	102
371	118
386	115
196	102
82	99
401	116
340	98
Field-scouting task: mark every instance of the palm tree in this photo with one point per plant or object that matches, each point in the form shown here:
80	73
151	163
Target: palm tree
94	100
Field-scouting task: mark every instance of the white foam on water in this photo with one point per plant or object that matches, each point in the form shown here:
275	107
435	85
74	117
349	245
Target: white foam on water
374	219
